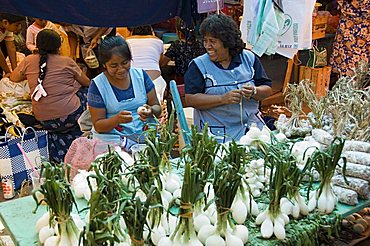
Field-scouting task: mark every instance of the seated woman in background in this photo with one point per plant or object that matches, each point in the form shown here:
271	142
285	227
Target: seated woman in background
57	97
226	84
147	50
116	94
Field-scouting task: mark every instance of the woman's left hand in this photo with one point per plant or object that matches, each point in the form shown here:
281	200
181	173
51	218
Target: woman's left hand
144	112
247	90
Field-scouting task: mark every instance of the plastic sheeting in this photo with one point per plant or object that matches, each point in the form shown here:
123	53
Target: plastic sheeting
108	13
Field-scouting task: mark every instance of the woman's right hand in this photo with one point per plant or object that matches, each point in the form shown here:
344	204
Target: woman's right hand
232	97
123	117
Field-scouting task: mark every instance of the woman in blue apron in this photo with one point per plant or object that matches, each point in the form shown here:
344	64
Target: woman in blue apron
116	94
226	84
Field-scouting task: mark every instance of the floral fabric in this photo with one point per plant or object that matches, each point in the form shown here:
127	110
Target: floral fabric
352	40
183	52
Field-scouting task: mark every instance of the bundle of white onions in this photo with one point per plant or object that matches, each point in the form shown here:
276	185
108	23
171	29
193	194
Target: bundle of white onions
81	186
255	176
278	158
58	227
325	163
255	136
226	182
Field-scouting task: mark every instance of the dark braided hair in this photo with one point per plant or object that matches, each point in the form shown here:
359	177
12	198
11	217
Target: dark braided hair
47	42
224	28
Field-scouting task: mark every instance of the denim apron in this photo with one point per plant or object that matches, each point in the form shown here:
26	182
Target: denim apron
132	130
229	121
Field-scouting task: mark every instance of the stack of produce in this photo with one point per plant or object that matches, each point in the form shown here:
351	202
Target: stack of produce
325	163
357	154
359	222
286	178
57	226
106	205
226	182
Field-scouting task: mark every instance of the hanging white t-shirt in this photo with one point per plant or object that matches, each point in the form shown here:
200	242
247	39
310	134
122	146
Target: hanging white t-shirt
146	51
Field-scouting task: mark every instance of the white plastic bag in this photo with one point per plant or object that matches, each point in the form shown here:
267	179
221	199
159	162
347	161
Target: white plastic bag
12	89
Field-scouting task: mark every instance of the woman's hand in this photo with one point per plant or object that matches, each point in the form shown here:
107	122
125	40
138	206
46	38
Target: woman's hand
123	117
232	97
144	112
248	90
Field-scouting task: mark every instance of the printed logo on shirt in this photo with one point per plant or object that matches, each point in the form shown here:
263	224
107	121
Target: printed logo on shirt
210	80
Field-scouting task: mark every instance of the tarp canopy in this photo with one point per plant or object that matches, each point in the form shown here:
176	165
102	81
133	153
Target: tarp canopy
100	13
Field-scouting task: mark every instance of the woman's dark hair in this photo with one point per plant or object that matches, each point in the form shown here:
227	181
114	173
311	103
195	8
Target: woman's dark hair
224	28
47	42
113	45
11	18
141	30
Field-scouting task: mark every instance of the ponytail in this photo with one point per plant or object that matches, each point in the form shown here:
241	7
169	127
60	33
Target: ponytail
42	65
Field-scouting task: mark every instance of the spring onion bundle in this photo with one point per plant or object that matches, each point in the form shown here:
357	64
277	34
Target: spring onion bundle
273	220
106	203
325	163
135	213
184	233
226	182
202	152
60	200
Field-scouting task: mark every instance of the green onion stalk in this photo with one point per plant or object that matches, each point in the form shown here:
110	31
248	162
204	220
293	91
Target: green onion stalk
296	204
325	163
226	182
135	213
184	233
143	176
106	203
58	196
280	161
202	152
166	141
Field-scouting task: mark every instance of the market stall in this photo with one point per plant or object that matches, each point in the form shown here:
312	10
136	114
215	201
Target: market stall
283	187
17	217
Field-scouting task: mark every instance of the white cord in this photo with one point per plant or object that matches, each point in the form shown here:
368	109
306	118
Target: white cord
218	6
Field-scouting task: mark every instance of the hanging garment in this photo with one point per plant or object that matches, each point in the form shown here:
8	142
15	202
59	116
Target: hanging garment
351	43
296	33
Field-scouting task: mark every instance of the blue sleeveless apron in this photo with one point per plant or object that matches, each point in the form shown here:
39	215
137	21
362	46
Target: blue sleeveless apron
134	129
227	122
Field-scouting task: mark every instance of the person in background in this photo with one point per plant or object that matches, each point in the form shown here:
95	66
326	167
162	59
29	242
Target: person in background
56	84
147	51
84	38
225	85
116	94
34	29
9	23
351	43
183	51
